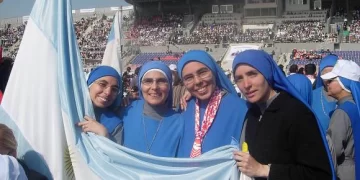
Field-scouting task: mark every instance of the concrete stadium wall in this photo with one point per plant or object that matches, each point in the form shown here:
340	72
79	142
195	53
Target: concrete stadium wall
349	47
288	47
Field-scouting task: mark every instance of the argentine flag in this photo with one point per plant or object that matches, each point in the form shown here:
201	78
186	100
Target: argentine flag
112	55
47	95
46	86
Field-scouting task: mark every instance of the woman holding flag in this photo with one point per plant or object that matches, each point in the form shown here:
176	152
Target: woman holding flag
214	115
104	84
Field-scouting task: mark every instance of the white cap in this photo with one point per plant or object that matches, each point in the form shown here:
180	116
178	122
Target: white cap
344	68
173	67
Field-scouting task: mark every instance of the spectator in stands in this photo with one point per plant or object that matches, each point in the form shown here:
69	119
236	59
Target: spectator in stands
8	146
322	103
274	135
343	84
293	69
310	72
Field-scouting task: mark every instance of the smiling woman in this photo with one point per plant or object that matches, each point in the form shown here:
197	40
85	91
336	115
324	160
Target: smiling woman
214	116
104	84
150	124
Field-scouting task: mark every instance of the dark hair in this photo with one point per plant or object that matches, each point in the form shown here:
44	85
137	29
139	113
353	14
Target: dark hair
310	69
293	68
301	70
137	70
5	70
135	89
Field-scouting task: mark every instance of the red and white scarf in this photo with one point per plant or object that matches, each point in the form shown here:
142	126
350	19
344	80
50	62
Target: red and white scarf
208	119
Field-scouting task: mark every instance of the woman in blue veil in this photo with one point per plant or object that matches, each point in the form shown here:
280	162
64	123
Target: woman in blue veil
283	135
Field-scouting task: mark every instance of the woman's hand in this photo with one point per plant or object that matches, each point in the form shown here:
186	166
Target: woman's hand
249	166
91	125
184	99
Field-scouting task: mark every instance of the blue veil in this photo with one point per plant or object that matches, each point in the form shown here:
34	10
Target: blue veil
222	81
164	68
354	87
303	85
327	61
265	64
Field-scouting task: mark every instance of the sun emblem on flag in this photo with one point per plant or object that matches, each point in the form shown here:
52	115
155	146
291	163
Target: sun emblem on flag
69	169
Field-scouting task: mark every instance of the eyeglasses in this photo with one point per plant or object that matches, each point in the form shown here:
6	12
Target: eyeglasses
104	85
203	74
329	81
158	82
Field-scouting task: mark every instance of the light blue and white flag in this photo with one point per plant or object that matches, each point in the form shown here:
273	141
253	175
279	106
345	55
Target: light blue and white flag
112	55
35	92
47	95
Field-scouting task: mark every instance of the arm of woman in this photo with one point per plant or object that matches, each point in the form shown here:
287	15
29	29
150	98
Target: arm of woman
309	152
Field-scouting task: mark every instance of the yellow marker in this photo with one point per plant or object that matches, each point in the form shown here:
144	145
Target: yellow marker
245	147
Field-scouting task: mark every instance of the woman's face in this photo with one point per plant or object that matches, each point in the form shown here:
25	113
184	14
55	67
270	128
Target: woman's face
104	91
252	84
155	88
199	80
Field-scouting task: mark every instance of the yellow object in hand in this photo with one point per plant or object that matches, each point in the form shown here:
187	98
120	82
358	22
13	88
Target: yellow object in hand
245	147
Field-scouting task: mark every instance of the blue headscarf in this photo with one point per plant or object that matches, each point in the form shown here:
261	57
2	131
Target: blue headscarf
222	81
303	85
107	117
162	67
265	64
327	61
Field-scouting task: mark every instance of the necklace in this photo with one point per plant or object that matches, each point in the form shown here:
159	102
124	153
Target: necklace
322	104
148	147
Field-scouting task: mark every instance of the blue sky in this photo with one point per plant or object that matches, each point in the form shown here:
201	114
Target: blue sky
18	8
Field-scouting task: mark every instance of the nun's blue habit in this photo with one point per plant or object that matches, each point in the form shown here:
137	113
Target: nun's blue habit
322	104
228	122
159	137
106	116
303	85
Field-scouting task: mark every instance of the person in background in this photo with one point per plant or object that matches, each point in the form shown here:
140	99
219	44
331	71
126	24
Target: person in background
310	72
282	68
343	84
178	90
303	85
301	70
293	69
8	146
277	120
323	104
134	93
